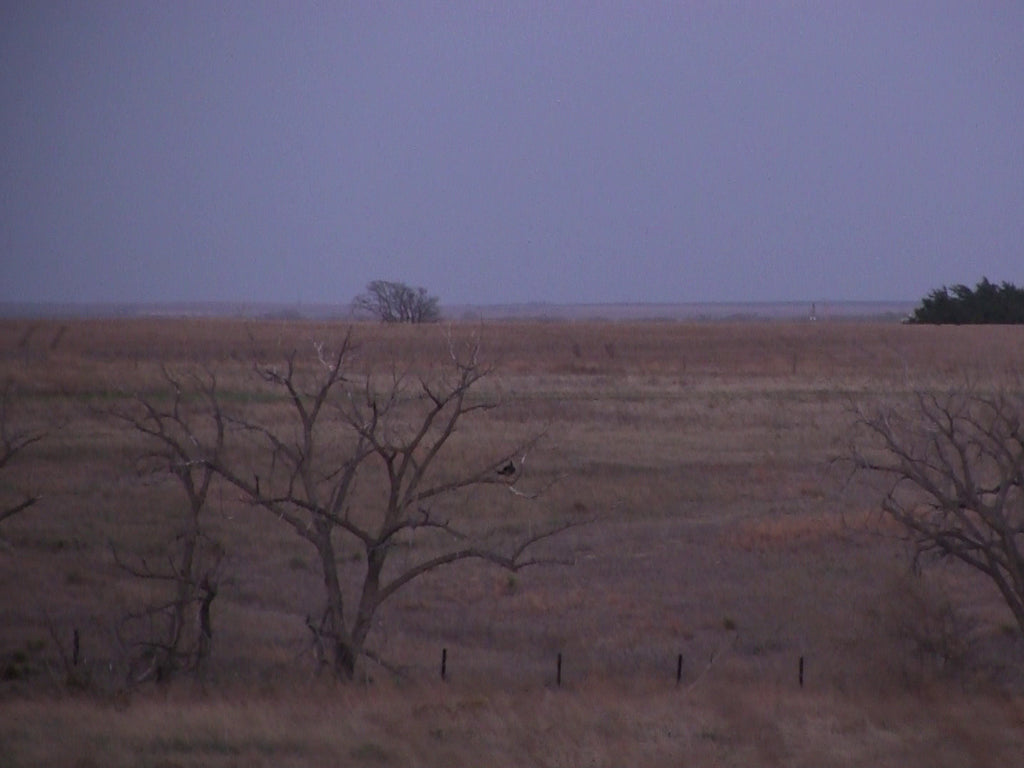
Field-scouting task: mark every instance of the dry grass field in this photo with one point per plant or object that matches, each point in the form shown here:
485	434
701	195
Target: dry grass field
721	526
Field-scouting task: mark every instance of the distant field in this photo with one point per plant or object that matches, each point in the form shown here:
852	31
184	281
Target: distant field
536	311
725	529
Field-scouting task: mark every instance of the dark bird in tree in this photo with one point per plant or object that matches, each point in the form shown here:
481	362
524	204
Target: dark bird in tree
508	470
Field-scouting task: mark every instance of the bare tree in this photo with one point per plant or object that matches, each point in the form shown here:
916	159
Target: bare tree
174	632
392	302
345	430
954	470
14	440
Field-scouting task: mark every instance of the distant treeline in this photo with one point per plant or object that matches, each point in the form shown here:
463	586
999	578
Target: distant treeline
960	305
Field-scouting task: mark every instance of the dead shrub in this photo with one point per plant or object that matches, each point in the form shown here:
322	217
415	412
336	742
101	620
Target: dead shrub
931	636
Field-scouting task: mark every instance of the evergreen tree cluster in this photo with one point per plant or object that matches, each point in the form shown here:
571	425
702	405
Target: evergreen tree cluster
986	303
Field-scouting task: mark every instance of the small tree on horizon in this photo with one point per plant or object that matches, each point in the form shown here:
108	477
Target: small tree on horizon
395	302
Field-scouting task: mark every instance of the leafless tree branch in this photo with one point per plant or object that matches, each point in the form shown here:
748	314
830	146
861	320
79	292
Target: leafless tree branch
954	466
173	633
14	441
344	428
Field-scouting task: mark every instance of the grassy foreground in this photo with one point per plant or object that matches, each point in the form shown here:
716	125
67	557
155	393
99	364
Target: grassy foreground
724	531
448	725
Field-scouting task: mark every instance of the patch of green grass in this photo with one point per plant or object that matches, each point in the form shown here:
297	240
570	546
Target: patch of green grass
269	747
370	752
207	744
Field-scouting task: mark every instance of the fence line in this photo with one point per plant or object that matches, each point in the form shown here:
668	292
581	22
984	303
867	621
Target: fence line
679	668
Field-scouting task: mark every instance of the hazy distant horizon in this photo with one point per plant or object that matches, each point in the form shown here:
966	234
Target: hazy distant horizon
612	311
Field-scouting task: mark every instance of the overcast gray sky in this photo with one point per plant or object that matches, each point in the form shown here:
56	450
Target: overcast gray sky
562	152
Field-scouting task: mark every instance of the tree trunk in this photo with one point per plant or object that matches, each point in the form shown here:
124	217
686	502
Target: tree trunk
344	661
344	651
375	557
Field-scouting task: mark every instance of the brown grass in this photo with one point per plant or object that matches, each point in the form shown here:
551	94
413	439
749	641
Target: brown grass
723	530
436	725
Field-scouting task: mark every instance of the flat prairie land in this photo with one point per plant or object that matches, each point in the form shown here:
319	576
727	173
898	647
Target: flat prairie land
719	525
